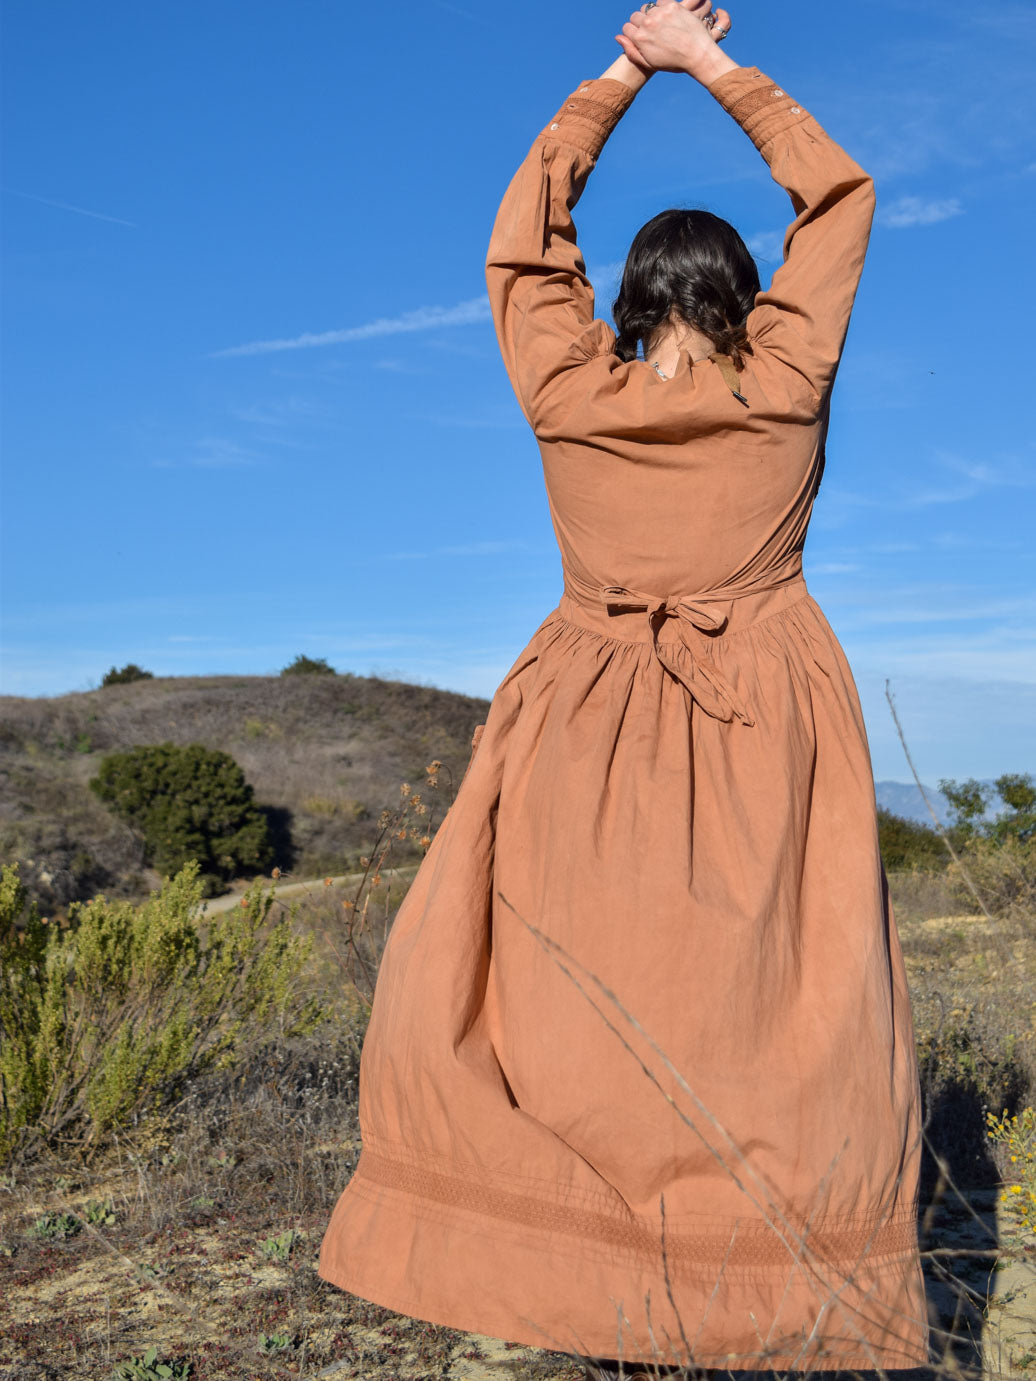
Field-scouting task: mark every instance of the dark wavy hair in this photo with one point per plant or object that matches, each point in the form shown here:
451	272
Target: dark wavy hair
693	263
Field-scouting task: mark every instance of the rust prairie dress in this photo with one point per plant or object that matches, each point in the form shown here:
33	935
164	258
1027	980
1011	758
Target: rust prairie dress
639	1077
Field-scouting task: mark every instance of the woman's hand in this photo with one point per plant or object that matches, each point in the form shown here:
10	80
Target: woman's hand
673	36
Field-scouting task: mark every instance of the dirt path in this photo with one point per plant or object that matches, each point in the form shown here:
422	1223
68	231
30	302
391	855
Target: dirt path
214	905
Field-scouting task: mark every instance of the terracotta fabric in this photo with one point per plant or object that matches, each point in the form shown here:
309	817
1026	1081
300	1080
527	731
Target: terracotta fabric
640	1064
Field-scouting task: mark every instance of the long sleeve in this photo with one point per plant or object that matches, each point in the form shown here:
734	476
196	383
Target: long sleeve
803	318
541	299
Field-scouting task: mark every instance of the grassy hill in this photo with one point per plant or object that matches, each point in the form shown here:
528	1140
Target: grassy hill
324	754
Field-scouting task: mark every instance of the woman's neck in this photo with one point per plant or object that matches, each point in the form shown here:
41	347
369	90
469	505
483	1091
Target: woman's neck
664	348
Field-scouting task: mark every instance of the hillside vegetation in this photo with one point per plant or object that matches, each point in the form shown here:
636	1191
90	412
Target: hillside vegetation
323	755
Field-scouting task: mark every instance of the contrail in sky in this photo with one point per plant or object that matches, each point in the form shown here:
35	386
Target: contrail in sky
64	206
475	310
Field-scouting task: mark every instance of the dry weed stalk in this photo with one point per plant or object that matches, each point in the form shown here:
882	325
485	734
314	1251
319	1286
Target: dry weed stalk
729	1155
355	944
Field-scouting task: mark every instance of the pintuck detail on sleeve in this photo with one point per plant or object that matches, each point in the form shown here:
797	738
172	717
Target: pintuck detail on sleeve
761	107
590	114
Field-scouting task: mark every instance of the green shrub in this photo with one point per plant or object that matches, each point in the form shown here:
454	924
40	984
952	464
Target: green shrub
907	843
130	672
1004	873
1017	818
188	802
102	1023
308	666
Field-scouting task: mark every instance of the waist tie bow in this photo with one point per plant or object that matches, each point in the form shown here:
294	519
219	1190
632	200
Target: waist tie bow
712	691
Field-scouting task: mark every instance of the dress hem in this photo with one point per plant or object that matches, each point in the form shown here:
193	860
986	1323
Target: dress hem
463	1321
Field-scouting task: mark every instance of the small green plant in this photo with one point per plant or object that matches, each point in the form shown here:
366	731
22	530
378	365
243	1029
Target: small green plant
1016	1136
130	672
281	1247
272	1343
80	744
55	1227
149	1368
308	666
261	728
100	1213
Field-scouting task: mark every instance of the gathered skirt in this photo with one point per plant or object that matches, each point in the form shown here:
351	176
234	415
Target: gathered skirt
639	1078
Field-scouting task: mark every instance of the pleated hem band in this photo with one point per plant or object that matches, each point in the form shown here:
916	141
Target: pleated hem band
566	1285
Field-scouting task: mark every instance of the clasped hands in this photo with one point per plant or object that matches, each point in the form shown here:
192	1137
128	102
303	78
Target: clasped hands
674	36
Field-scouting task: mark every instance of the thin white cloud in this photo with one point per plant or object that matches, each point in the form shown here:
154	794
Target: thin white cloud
469	313
606	279
396	366
279	413
833	568
488	548
66	206
997	658
505	417
212	452
1010	472
911	211
768	245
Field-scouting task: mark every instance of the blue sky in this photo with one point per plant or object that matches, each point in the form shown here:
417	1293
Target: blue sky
185	184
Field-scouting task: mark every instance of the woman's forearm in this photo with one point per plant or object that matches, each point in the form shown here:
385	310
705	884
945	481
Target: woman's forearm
627	72
709	67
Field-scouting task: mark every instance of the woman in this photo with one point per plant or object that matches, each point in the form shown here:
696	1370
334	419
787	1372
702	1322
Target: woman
639	1080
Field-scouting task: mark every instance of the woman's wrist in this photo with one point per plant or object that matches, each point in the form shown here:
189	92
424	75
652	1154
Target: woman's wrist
709	67
625	71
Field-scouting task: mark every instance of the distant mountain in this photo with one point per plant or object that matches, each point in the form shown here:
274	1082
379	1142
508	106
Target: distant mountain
904	799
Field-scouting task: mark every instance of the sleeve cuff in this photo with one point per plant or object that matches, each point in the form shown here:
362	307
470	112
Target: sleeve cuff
758	104
590	114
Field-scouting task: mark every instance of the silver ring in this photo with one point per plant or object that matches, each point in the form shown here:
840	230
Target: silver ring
709	21
650	5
